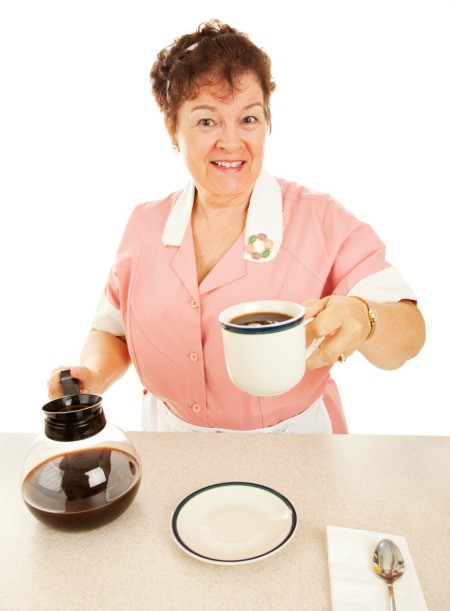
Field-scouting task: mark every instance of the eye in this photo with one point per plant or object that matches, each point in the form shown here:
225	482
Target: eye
206	123
250	119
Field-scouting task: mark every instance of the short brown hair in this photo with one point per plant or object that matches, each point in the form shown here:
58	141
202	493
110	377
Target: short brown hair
214	53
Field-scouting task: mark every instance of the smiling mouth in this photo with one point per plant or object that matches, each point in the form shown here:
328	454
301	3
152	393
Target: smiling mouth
228	164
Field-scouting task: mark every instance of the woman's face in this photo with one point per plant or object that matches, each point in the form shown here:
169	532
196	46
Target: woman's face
222	140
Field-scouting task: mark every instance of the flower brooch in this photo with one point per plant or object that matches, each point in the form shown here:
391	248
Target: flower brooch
252	242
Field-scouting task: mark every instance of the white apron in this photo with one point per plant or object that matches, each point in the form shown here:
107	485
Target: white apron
158	418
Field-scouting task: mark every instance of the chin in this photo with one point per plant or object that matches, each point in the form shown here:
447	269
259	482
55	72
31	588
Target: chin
235	183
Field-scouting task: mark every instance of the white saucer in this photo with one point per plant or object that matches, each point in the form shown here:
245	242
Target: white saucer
233	523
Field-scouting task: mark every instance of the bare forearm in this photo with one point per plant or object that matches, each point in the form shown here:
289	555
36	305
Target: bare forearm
399	335
107	356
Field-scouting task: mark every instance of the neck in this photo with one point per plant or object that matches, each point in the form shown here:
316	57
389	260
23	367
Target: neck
209	208
215	228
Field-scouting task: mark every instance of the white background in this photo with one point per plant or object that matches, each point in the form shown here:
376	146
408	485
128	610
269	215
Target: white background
361	111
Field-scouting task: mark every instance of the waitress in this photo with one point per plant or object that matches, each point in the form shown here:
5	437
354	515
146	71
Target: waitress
235	233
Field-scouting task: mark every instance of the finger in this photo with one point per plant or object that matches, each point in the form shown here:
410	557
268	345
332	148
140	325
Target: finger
314	306
329	352
82	374
343	326
330	319
84	377
341	338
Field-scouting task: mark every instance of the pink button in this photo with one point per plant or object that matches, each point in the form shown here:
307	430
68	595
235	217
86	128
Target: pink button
195	407
193	356
194	303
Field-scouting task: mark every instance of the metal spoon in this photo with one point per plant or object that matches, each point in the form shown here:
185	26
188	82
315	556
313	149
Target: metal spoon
388	564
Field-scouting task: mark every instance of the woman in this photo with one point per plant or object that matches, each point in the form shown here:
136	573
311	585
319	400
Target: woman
237	234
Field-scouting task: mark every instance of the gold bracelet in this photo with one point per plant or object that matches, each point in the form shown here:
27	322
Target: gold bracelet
371	313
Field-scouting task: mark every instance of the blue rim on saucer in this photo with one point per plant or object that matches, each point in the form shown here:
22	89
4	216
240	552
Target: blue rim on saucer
195	517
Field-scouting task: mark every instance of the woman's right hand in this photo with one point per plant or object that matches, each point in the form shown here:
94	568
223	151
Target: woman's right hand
89	381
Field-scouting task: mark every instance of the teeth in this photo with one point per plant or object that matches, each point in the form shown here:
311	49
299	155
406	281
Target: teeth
229	164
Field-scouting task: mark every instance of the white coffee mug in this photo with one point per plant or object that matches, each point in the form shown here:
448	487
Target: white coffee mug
266	359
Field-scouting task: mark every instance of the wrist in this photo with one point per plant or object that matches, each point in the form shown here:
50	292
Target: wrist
371	315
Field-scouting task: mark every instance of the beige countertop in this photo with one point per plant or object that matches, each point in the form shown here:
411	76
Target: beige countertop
398	485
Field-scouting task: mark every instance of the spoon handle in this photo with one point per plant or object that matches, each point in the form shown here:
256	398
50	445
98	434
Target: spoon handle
393	606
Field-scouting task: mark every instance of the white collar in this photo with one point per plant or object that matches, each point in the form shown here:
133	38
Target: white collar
263	227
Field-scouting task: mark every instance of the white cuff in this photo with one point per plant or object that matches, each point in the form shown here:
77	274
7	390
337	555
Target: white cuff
384	286
108	318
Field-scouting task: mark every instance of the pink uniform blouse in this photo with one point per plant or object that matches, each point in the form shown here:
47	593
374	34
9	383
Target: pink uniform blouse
316	248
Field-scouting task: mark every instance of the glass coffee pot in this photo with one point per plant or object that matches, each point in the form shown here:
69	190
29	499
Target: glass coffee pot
82	472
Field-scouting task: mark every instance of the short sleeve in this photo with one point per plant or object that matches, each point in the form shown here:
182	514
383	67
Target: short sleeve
110	315
359	266
358	253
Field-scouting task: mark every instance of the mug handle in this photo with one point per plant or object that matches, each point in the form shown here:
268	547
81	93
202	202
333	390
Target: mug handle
315	343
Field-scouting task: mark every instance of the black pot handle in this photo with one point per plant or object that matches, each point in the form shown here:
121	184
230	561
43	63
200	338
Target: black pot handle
70	385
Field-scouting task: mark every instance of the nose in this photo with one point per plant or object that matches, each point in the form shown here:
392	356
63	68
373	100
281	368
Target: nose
229	138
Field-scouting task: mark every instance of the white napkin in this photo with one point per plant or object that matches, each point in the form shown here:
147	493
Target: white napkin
355	586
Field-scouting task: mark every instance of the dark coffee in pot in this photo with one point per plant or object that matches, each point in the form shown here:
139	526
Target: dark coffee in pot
83	489
258	319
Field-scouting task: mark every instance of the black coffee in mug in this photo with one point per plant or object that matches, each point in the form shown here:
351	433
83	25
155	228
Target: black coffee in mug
259	319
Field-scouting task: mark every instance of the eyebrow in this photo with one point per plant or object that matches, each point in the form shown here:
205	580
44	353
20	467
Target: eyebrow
214	108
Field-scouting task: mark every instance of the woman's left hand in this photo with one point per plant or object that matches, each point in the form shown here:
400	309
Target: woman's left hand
343	321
